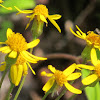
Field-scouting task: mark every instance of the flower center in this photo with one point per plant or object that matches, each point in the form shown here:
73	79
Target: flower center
97	70
20	60
93	38
60	78
17	42
41	10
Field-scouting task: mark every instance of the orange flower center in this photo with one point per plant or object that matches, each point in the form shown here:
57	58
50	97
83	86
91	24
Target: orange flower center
60	78
17	42
97	70
93	38
41	10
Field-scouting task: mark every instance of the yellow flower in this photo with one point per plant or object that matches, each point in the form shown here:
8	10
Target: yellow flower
95	68
40	13
91	38
8	8
16	44
19	69
61	78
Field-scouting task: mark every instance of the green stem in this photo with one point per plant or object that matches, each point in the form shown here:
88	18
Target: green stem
50	91
62	93
9	92
20	87
71	98
3	76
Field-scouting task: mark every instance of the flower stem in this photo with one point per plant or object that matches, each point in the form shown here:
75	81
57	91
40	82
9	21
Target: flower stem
20	87
10	90
62	93
49	91
3	76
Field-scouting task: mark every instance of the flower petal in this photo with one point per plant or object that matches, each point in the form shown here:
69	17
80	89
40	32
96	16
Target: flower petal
89	79
72	89
31	68
69	69
52	69
31	18
33	43
23	11
46	74
85	66
35	57
48	85
2	43
43	18
19	74
5	49
25	69
13	73
73	76
9	32
93	57
13	54
55	17
8	8
27	57
54	23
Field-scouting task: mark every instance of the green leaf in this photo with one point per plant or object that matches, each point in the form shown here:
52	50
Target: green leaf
4	26
21	4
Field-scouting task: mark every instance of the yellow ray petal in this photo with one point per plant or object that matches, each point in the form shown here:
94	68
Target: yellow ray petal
13	54
73	76
93	57
31	18
43	18
9	32
72	89
19	74
46	74
89	79
33	43
35	57
55	24
25	69
31	69
5	49
23	11
13	73
79	30
52	69
70	69
55	17
8	8
2	42
48	85
28	58
75	33
85	66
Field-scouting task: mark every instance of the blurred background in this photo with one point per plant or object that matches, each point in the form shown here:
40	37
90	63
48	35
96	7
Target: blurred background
61	49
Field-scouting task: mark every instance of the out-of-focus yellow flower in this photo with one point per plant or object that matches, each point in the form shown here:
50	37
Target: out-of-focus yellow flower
40	13
91	38
61	78
16	44
17	70
95	68
8	8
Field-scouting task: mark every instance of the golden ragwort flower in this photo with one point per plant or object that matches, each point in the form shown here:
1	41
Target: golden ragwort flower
17	70
40	13
16	44
8	8
95	68
62	78
91	38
